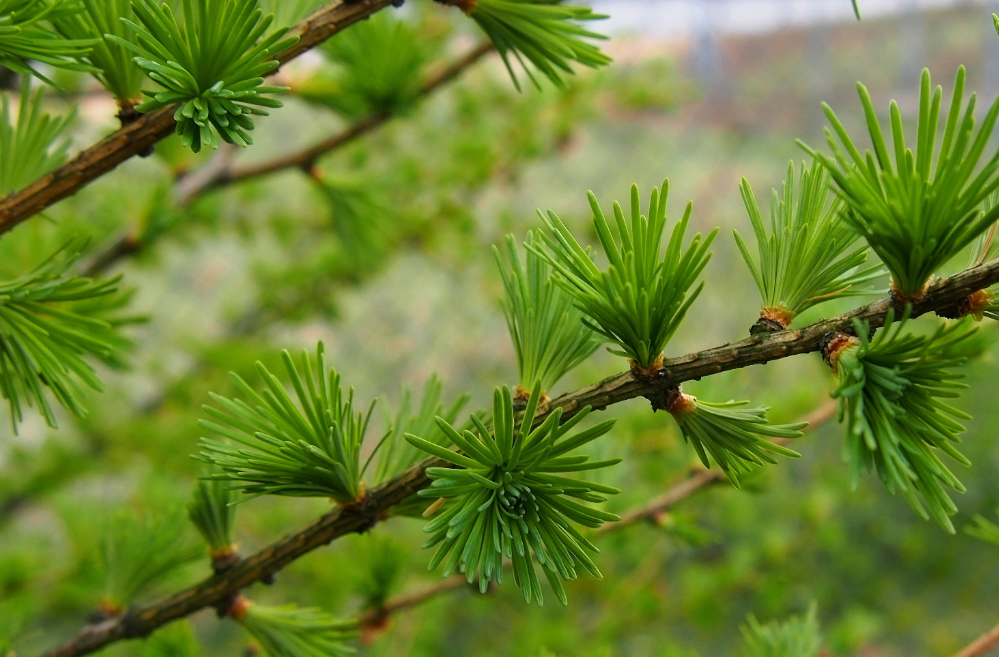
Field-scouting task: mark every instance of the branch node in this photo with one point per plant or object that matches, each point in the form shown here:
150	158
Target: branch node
833	345
224	559
651	373
772	319
973	304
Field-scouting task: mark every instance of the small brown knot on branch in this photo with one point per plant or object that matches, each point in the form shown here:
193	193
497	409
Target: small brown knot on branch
106	610
362	507
834	344
772	319
127	113
674	401
650	373
224	559
900	298
237	608
974	304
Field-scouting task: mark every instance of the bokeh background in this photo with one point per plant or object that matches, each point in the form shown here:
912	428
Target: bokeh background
388	261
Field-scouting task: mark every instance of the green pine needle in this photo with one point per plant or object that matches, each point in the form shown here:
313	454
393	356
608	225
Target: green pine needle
547	330
112	64
542	32
312	449
33	144
807	258
916	212
984	530
890	391
25	37
795	637
290	631
48	322
138	550
640	300
211	64
730	434
380	65
511	497
396	454
213	513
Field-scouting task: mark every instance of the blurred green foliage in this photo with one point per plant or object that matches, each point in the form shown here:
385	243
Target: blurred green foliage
383	252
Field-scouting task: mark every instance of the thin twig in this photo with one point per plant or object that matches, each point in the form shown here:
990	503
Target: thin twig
139	135
365	513
982	645
219	171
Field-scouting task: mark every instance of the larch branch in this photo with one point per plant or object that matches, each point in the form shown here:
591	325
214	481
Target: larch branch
139	135
364	514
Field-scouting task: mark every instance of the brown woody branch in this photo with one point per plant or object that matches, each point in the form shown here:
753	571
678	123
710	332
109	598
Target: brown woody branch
139	135
220	171
365	513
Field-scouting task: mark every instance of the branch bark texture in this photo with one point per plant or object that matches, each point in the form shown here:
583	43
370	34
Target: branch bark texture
363	515
138	136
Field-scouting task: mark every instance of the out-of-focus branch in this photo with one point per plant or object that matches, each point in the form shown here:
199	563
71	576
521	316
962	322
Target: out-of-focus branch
982	645
220	172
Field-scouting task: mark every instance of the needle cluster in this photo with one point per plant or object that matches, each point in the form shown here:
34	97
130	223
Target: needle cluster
510	497
540	32
729	433
210	64
917	210
891	391
26	37
308	449
809	255
548	333
639	301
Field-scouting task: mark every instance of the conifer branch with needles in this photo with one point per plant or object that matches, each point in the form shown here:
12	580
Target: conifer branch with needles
139	135
32	144
639	301
808	256
509	497
312	449
890	390
220	172
142	619
917	210
211	65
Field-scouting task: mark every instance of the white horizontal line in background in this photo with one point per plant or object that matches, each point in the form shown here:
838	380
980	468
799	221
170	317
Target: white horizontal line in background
681	18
